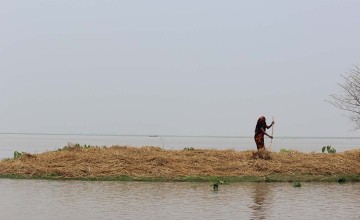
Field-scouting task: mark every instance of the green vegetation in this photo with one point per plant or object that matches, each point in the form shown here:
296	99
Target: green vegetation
71	146
297	184
341	180
18	154
189	148
329	149
225	179
216	185
284	150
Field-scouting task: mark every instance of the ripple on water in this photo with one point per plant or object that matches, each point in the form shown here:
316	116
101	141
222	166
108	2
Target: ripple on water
42	199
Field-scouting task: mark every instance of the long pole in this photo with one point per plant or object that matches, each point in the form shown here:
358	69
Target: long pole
272	133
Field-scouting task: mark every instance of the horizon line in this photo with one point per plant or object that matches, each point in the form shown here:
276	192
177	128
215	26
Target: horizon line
172	135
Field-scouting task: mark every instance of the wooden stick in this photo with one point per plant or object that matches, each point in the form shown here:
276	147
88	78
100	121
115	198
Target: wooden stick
272	133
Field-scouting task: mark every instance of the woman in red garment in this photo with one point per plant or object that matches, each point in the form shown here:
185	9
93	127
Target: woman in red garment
260	131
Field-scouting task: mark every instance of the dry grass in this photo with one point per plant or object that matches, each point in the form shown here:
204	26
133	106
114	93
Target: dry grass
156	162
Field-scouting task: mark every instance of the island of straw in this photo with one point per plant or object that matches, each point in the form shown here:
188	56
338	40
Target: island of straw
189	164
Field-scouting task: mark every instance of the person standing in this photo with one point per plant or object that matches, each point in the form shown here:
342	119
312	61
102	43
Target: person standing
260	131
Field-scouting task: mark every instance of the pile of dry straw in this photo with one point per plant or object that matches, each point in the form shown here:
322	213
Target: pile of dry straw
115	161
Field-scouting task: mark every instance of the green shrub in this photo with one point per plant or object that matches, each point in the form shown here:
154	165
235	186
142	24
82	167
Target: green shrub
329	149
74	146
17	154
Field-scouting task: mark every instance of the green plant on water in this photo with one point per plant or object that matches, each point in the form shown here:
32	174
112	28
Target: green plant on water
341	180
297	184
17	154
216	185
329	149
189	148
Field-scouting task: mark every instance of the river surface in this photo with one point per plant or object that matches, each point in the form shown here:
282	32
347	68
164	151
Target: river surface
46	199
38	143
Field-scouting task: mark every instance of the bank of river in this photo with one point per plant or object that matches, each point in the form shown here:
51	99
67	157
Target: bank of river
156	164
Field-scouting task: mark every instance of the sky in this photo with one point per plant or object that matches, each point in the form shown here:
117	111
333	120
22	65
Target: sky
176	67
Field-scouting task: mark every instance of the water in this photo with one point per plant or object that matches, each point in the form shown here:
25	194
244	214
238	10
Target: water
41	199
37	143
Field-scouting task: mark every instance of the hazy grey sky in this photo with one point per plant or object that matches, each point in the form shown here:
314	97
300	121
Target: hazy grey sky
175	67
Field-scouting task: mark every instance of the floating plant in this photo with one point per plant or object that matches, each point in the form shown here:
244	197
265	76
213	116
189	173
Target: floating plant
297	184
216	185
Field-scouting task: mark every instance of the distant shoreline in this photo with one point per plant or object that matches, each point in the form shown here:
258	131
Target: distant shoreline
168	136
156	164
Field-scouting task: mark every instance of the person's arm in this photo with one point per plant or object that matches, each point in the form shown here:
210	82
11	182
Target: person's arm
272	123
264	132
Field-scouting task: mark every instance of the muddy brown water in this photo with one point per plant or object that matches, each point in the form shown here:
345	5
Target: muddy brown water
46	199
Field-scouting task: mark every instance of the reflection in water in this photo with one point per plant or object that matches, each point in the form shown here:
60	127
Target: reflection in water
262	197
40	199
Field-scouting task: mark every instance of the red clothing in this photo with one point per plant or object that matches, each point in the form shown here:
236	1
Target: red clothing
259	140
259	134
